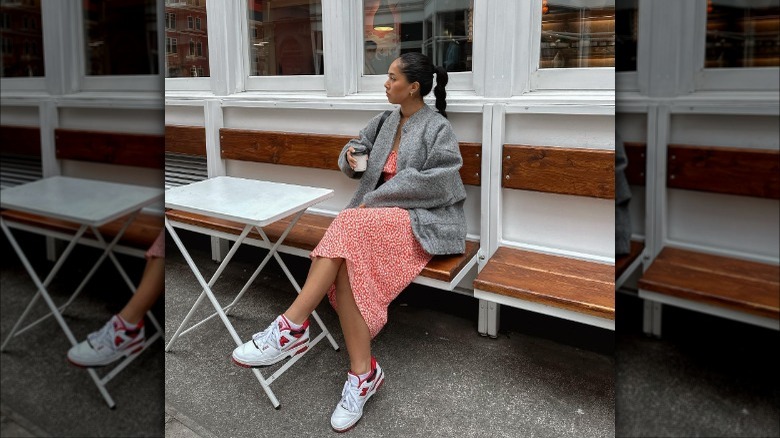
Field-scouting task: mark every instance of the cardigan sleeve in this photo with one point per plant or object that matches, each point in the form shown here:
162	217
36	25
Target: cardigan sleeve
436	184
364	142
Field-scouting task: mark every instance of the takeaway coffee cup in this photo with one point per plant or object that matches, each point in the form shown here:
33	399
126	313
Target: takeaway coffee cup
361	157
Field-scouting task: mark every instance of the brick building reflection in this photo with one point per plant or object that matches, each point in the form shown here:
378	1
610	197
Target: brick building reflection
186	39
21	38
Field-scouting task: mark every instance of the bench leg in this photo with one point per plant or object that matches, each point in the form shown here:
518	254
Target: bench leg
482	318
492	317
651	323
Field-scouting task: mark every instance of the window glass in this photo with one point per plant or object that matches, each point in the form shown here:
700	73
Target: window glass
743	33
120	37
186	24
21	38
626	31
285	38
442	29
577	33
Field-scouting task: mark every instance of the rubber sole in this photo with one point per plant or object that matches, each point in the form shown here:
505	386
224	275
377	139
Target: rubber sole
300	350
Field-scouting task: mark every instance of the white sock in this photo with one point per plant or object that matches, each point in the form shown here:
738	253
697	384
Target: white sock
128	325
293	325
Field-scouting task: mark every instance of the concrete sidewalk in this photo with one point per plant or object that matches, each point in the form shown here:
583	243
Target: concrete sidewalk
41	392
443	379
541	377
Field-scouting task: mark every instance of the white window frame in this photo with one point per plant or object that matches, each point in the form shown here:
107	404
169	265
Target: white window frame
306	83
457	81
551	79
726	79
150	82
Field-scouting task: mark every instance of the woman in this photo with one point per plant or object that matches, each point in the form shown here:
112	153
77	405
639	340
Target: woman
407	208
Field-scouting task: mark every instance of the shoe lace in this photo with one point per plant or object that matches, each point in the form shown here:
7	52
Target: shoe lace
268	336
103	337
349	397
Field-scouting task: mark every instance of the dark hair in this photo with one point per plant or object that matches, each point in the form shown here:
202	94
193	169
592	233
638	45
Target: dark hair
419	68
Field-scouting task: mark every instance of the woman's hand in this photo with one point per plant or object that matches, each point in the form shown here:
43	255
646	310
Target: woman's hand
350	159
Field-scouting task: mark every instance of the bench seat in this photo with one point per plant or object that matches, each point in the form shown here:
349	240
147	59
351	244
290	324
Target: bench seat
739	289
137	239
573	289
308	232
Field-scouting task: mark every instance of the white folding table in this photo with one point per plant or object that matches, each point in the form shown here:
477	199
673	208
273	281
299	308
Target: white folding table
90	204
255	204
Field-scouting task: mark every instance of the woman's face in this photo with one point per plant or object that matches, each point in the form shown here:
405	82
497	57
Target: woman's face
397	87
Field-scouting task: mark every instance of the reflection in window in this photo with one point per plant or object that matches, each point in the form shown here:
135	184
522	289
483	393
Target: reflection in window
120	37
285	37
193	60
21	39
626	31
743	33
442	29
577	33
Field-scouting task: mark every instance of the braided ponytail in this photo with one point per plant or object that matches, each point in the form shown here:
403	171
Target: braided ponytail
441	95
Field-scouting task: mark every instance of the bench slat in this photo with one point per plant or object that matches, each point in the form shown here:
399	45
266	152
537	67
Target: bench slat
472	163
581	172
140	234
746	172
319	151
570	284
293	149
739	285
308	232
188	140
140	150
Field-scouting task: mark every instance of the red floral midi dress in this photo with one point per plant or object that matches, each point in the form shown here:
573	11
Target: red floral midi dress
381	252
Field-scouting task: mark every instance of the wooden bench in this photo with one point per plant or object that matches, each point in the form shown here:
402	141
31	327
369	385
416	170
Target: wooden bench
319	151
728	287
20	155
577	290
139	150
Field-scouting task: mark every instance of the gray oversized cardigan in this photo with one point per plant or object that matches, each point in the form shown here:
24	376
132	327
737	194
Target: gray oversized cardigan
427	182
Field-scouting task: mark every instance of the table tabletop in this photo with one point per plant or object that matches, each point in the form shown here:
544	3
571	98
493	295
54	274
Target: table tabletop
244	200
84	201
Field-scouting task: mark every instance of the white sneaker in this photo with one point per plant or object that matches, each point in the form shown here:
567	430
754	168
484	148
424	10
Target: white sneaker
273	344
108	344
354	396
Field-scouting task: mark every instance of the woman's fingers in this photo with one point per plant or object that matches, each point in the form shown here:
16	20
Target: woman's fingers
350	159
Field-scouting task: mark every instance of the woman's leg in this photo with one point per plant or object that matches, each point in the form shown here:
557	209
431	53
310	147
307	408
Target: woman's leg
151	287
322	274
356	333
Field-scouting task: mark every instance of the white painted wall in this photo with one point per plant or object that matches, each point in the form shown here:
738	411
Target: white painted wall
19	115
133	121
